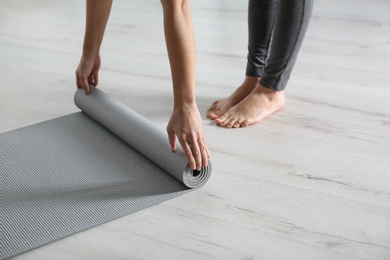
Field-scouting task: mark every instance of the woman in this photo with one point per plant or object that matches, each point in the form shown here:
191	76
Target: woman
185	122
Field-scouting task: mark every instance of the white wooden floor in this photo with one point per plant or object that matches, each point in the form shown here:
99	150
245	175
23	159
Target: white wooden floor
312	182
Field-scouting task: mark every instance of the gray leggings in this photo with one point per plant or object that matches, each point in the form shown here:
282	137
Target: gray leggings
276	32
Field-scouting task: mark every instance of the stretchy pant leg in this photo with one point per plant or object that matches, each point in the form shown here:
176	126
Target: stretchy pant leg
289	24
261	14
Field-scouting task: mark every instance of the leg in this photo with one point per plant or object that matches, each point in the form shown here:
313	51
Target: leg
261	15
291	22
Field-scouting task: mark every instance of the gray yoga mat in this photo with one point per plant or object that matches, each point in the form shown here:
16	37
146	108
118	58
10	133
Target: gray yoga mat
75	172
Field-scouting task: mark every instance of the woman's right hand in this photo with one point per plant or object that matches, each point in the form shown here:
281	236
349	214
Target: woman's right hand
186	125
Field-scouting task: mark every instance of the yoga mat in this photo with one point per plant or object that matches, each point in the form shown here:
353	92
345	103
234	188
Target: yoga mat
69	174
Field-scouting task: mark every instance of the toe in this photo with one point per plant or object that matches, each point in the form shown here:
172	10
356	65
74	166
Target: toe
212	111
236	125
238	122
213	106
230	122
215	114
209	112
245	123
222	119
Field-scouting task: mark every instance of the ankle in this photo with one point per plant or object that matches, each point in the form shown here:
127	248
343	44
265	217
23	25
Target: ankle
269	93
249	80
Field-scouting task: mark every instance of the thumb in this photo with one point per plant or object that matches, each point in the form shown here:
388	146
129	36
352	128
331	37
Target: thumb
172	140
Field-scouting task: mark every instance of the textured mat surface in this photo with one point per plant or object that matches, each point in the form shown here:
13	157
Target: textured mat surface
69	174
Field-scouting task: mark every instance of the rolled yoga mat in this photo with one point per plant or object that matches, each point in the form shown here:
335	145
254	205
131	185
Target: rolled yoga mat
69	174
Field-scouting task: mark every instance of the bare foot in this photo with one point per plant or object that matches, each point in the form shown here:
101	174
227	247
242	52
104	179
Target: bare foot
259	104
221	106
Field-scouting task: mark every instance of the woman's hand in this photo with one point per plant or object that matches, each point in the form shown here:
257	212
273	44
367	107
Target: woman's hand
186	125
87	73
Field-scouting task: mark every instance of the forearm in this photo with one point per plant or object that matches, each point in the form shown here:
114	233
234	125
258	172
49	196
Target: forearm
179	36
98	12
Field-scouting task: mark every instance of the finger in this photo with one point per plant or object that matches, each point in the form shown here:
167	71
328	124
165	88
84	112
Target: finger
203	151
85	85
90	80
196	152
95	79
187	151
172	140
78	82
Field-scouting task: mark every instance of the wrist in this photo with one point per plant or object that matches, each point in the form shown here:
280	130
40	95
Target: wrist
90	49
90	55
184	98
185	105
